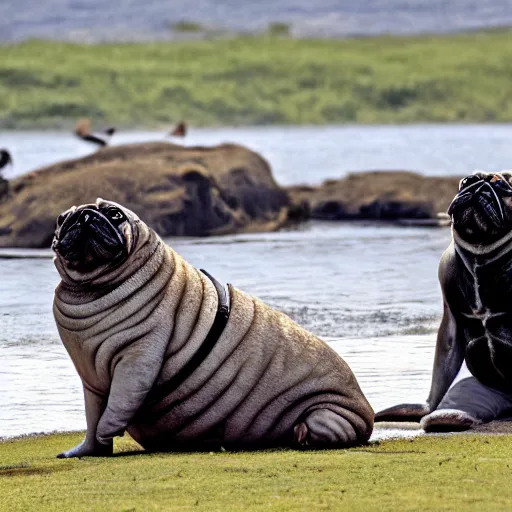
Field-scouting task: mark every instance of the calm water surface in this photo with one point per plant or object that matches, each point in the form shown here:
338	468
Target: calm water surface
370	291
310	154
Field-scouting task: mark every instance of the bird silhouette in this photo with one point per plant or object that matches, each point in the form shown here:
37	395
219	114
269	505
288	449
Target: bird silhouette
180	130
5	159
101	138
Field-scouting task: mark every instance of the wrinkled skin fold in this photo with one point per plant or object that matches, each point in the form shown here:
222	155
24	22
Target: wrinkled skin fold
133	314
475	274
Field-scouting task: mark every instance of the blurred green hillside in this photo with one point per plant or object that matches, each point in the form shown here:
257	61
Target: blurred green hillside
259	80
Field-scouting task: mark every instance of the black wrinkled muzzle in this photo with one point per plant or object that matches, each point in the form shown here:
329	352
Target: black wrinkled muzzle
87	238
484	198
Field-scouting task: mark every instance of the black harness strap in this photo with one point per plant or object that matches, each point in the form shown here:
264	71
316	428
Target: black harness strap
221	319
223	307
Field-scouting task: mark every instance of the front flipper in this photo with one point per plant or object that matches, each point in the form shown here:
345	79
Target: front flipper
467	403
448	420
133	377
403	412
90	446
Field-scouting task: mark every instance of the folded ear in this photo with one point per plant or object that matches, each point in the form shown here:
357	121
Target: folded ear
64	215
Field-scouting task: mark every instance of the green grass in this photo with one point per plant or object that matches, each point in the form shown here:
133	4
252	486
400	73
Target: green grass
259	80
465	472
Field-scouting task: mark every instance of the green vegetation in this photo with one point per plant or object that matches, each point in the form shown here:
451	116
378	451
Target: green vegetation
259	80
188	26
464	472
278	29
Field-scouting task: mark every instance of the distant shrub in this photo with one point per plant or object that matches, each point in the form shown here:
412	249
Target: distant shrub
188	26
279	29
12	77
70	110
397	97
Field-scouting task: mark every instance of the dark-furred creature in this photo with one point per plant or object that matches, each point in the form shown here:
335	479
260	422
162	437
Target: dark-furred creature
476	280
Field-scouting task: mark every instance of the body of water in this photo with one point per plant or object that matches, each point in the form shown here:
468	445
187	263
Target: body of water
305	154
371	291
126	20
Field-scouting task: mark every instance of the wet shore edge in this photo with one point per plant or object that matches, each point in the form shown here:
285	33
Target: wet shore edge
383	432
214	190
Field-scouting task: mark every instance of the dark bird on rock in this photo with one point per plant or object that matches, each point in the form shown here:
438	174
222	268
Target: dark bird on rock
83	131
180	130
5	159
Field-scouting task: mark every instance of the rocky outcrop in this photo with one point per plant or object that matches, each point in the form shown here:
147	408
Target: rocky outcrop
197	191
382	195
179	191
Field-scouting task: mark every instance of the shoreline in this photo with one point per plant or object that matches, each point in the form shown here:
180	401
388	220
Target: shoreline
161	129
388	431
383	432
68	125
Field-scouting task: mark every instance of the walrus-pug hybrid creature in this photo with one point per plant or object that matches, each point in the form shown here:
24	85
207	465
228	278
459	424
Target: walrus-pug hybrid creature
168	354
476	280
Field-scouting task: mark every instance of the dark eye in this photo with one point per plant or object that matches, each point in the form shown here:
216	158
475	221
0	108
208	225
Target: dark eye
469	180
115	214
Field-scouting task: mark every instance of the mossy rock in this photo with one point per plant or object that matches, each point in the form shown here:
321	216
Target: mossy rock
386	195
177	190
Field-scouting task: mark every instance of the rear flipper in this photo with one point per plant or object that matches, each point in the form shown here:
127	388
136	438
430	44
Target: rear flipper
403	412
324	428
467	403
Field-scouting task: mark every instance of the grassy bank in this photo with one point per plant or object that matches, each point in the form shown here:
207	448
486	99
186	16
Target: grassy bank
259	80
466	472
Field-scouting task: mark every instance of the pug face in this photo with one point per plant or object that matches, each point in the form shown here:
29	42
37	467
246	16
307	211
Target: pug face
94	237
481	211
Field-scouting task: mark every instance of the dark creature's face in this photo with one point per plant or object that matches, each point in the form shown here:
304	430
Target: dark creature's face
481	211
93	236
